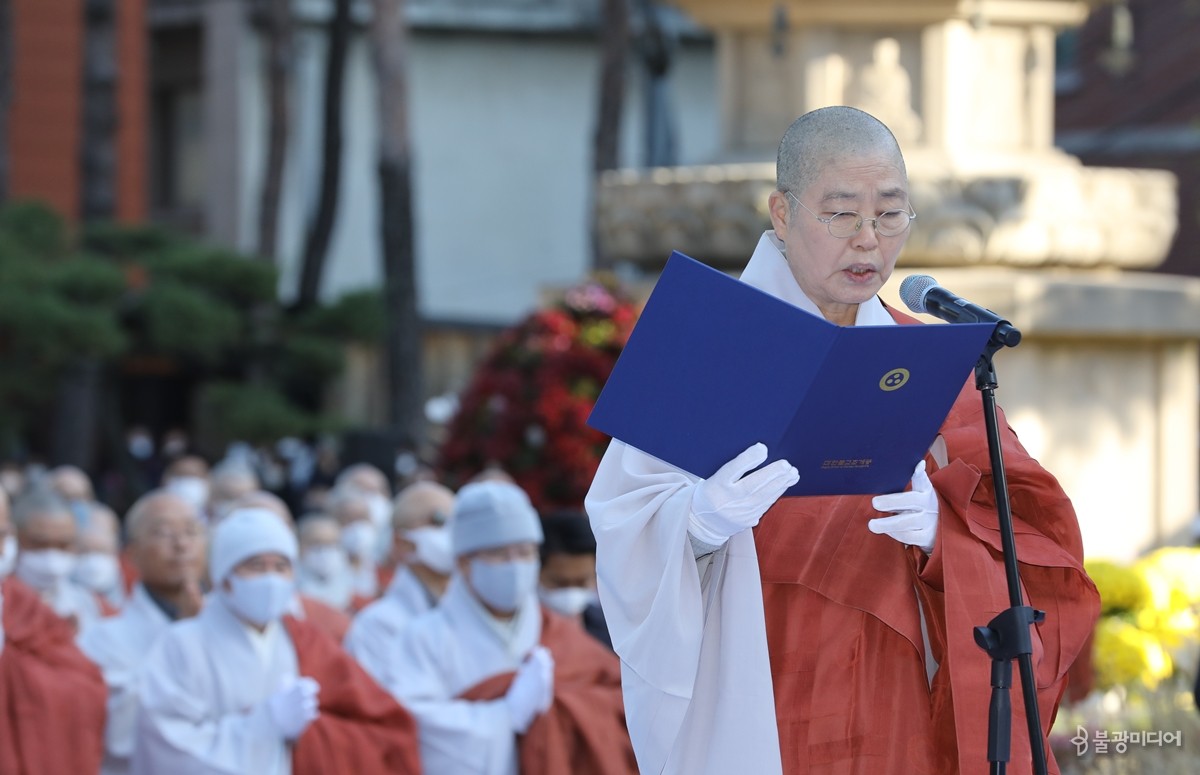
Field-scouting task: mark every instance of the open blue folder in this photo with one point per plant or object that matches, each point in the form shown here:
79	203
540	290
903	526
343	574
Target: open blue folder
715	365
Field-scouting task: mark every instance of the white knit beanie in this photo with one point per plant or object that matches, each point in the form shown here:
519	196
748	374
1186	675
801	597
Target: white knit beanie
245	533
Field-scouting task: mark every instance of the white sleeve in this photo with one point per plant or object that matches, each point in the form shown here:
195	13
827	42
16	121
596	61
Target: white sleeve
650	588
457	737
178	731
687	624
371	642
102	645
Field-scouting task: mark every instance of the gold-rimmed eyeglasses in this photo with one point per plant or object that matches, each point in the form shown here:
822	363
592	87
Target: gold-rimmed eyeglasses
846	224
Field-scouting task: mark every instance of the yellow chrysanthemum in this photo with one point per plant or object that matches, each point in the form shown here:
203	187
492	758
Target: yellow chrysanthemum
1121	589
1126	656
1173	628
1173	574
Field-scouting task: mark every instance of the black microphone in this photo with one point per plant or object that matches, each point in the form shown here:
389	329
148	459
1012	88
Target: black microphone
921	293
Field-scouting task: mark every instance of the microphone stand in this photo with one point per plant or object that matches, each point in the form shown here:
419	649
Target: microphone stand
1007	636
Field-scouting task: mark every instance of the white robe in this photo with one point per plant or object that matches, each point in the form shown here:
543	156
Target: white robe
691	634
118	645
376	629
442	654
337	591
202	698
69	599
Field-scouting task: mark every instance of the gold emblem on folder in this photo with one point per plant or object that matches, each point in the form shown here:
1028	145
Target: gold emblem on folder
894	380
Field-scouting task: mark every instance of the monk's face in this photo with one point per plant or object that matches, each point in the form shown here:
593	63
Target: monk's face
839	274
48	530
560	570
168	547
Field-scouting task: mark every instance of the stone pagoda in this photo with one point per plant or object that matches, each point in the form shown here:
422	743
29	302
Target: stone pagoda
1104	388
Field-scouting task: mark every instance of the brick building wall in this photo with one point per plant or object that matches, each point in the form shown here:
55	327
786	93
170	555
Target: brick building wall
46	113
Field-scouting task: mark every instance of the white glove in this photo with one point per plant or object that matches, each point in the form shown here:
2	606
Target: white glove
294	706
532	690
727	502
916	513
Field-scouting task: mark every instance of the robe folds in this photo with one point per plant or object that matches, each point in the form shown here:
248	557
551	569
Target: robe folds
810	644
862	696
202	697
51	695
376	629
118	645
324	617
583	732
361	729
442	654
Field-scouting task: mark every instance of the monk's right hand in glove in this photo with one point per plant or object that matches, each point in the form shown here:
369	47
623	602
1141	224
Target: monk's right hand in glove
731	500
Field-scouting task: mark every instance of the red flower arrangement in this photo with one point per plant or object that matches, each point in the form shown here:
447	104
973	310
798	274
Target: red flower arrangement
526	409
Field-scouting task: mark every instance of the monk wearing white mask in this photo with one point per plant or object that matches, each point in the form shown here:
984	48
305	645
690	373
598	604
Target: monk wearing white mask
498	684
422	548
241	688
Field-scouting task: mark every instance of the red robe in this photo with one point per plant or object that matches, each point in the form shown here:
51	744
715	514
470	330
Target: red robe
857	700
326	617
50	693
361	729
583	732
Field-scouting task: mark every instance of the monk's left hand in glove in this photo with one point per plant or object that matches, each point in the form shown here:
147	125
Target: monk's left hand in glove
915	513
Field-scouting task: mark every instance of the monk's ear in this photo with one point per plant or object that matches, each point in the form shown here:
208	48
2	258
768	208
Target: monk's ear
780	211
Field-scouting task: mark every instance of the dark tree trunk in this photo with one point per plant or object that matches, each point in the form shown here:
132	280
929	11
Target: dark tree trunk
6	64
76	411
98	152
279	67
316	246
614	51
389	38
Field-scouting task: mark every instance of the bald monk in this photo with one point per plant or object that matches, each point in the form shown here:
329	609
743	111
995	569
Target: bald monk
498	684
425	559
47	686
794	635
165	544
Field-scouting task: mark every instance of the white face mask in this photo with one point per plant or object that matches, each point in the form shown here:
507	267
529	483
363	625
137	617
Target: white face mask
324	562
434	550
504	585
260	599
568	601
97	571
358	539
45	569
192	489
8	555
380	509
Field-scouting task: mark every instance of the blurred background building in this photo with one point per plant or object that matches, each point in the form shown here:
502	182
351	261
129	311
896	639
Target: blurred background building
1052	146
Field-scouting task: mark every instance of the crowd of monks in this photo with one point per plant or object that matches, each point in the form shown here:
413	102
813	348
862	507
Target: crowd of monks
205	630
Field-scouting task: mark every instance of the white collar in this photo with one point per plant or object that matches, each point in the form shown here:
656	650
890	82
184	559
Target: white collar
768	271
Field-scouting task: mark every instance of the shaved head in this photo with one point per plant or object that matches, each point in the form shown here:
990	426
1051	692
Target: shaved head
422	503
825	135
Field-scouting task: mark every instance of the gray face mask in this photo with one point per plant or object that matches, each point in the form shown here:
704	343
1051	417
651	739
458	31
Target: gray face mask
504	585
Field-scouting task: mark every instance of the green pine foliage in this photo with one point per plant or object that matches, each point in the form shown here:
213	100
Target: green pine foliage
113	292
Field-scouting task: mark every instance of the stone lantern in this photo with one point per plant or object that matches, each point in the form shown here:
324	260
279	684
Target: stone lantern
1104	389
